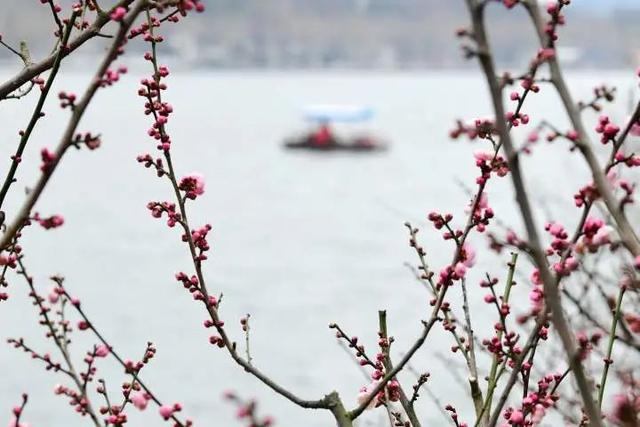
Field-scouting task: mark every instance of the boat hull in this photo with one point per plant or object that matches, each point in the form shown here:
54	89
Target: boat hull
357	145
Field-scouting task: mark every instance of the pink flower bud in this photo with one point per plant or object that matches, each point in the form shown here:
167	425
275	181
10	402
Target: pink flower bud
166	411
140	401
102	351
118	13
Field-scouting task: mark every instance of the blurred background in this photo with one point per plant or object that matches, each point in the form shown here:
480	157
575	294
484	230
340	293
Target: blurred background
299	239
364	34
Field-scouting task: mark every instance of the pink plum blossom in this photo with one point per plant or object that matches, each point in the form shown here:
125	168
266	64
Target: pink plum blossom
102	351
140	400
192	185
118	13
166	411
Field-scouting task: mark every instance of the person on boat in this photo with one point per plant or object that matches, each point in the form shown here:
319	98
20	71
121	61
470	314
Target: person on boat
323	137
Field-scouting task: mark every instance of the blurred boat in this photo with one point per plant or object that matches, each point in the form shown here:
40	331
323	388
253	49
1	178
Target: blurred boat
324	139
355	144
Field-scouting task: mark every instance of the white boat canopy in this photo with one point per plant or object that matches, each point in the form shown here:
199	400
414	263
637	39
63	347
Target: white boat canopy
337	113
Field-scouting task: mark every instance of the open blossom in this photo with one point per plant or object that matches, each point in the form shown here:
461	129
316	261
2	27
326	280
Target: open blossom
483	203
595	234
192	185
482	213
603	236
538	414
483	156
490	162
467	260
468	255
140	400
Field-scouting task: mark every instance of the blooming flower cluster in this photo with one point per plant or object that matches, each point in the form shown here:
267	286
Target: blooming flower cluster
607	129
489	162
192	185
159	208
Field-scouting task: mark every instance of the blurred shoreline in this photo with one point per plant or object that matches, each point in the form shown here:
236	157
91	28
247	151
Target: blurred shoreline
79	65
357	34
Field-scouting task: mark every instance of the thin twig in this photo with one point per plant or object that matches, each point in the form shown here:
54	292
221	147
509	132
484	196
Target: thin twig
552	294
33	70
612	338
37	112
78	112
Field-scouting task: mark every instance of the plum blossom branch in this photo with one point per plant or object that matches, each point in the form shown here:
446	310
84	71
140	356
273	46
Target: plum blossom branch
385	344
494	374
531	342
80	399
627	233
17	412
612	338
425	276
10	49
552	295
447	276
196	239
55	10
33	70
52	160
129	367
352	342
37	112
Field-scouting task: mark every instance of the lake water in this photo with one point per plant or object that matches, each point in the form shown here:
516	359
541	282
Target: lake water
299	239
